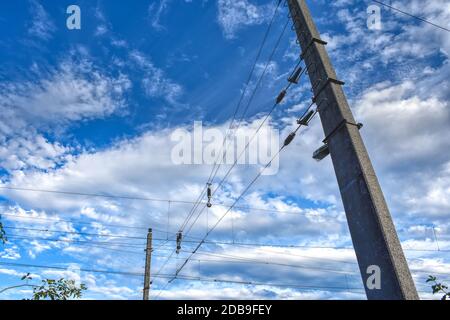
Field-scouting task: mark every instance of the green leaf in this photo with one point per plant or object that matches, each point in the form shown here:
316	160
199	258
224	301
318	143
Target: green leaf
60	289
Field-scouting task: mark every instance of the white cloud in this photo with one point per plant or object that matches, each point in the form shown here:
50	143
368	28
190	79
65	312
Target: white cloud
154	82
103	172
41	25
30	151
156	11
405	123
406	134
397	79
236	14
11	253
206	291
74	91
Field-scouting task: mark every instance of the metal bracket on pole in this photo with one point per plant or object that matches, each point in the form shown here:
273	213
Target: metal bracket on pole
313	40
339	126
329	80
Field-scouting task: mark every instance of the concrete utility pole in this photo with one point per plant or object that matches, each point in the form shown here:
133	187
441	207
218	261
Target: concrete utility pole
373	233
148	262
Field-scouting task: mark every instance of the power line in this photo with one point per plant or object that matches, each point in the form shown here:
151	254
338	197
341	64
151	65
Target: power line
411	15
194	240
251	139
258	83
244	150
245	111
217	165
252	70
95	195
191	278
254	261
254	283
245	260
256	178
102	245
182	277
278	101
117	244
213	242
248	83
163	265
98	244
237	159
25	265
80	222
286	143
207	253
76	233
287	285
74	221
289	246
241	259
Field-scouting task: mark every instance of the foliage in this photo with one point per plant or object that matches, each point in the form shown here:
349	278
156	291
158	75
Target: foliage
61	289
3	238
439	288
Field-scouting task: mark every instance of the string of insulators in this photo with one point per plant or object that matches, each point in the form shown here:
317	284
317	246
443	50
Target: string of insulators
306	119
209	205
289	139
294	78
179	238
281	96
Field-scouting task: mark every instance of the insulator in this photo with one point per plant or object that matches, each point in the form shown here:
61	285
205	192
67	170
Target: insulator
289	139
281	96
179	238
296	76
209	205
305	120
321	153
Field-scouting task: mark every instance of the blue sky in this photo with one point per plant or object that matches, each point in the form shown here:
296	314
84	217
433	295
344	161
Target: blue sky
93	111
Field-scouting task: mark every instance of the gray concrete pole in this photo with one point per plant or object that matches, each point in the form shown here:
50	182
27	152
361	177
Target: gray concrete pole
148	262
382	264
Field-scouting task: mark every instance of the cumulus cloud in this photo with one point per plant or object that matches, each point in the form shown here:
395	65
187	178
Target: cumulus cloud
406	125
73	91
397	82
11	253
